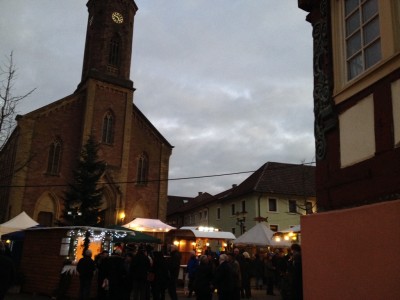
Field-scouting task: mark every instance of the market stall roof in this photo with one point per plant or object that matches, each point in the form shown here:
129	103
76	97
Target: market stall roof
20	222
134	236
197	232
148	225
260	235
295	229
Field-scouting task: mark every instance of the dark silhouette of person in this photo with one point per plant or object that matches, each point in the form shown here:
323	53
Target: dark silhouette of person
174	264
85	268
297	269
161	276
7	271
203	282
115	272
140	266
101	274
224	279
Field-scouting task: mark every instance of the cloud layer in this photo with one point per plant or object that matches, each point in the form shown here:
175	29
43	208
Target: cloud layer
228	83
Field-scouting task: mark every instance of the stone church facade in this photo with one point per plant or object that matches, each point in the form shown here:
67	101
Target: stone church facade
37	162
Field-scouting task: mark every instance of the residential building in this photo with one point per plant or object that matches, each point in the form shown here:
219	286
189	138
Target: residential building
277	193
357	133
38	160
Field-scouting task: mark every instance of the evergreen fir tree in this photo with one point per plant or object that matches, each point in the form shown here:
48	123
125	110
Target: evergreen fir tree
83	198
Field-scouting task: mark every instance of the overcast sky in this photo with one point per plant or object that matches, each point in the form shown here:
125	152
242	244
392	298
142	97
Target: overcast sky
228	83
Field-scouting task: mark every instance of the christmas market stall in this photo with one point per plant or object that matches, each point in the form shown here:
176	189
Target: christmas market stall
199	239
50	254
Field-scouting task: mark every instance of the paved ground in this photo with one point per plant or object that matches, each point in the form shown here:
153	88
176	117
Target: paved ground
256	295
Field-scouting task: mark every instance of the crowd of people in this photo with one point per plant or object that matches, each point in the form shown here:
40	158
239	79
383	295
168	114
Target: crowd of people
233	274
138	274
145	274
142	274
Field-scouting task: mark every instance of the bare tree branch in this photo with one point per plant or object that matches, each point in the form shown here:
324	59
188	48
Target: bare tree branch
8	102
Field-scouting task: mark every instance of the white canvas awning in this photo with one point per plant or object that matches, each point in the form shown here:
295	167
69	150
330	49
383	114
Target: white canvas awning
260	235
148	225
295	229
198	233
20	222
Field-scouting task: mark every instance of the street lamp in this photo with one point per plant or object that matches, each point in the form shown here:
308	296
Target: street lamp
240	220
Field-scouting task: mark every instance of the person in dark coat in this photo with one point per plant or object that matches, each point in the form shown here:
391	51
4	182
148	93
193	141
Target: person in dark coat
203	282
161	276
101	274
115	273
174	264
297	272
224	279
7	271
140	267
269	273
192	265
85	268
245	270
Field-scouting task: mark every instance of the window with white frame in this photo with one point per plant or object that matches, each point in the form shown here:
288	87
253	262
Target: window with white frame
272	204
292	206
362	35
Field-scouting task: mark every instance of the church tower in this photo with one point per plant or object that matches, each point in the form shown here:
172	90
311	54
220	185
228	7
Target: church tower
108	47
48	140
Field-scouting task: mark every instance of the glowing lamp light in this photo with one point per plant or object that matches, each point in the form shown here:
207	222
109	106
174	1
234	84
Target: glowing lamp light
278	239
207	244
122	215
225	244
176	243
286	237
193	243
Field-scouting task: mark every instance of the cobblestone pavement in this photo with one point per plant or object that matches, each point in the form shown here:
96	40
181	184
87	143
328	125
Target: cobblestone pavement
256	295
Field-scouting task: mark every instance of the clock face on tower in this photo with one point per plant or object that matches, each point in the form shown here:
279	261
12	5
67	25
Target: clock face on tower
117	17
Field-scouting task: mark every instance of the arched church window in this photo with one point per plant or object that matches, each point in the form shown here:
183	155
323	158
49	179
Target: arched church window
142	169
113	56
53	164
108	128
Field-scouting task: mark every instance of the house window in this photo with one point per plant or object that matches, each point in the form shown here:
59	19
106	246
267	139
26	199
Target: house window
233	230
273	227
362	35
272	206
233	210
218	213
142	169
53	164
108	129
309	208
201	215
292	206
205	215
243	206
113	55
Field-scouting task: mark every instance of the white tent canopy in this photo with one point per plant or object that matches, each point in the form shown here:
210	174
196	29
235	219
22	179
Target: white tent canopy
20	222
198	233
148	225
296	229
259	235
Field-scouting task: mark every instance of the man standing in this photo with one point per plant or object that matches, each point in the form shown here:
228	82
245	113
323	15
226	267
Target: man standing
174	264
86	267
224	279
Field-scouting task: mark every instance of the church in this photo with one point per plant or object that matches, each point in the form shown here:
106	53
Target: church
37	162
